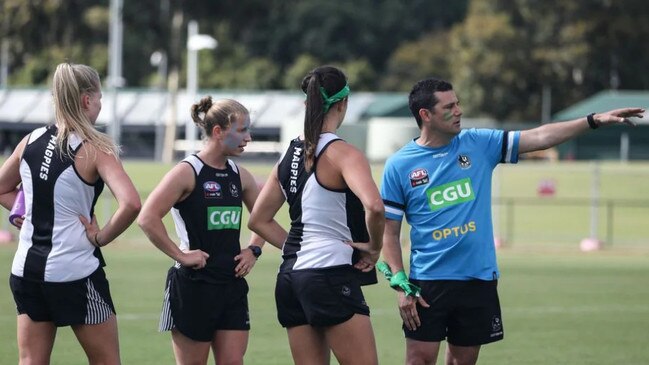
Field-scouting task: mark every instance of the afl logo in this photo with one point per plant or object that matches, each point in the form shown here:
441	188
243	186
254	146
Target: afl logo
464	161
418	177
212	189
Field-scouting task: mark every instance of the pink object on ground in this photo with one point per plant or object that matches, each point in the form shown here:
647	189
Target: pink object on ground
590	244
6	237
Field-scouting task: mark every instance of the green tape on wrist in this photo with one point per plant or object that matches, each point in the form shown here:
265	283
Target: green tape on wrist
400	280
384	268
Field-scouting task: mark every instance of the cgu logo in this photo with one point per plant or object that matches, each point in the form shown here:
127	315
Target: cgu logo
223	218
450	194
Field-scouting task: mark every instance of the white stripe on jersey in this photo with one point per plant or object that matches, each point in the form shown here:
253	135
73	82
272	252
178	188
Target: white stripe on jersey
36	133
510	147
392	210
181	229
234	166
97	310
166	320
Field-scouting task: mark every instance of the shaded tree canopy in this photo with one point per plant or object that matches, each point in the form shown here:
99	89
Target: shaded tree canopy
500	54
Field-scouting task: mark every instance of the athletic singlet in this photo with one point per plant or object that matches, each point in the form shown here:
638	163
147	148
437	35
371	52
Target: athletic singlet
209	219
321	219
53	246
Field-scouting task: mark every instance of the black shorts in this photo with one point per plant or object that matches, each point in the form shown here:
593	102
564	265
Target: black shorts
465	313
197	309
319	297
84	301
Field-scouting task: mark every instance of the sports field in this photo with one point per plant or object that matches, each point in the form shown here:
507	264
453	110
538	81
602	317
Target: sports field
560	306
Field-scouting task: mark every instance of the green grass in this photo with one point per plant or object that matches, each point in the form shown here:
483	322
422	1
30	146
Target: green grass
565	218
560	221
560	306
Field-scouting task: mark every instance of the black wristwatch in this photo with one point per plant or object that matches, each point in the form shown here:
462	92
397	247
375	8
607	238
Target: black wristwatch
256	250
591	121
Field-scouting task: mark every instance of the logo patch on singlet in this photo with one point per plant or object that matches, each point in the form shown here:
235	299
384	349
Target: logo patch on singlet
223	218
418	177
233	190
212	189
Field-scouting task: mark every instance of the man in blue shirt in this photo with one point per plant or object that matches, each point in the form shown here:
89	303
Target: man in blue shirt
441	183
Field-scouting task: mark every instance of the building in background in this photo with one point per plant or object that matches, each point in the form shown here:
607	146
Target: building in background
377	123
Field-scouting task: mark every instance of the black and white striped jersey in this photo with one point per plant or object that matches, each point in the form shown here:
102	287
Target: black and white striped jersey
321	219
53	246
209	219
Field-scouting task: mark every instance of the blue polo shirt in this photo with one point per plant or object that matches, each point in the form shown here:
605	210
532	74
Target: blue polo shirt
445	195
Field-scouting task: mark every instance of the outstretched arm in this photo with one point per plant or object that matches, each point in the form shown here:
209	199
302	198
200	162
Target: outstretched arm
552	134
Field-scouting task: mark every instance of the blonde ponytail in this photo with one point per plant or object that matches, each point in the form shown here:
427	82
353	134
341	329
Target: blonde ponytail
70	82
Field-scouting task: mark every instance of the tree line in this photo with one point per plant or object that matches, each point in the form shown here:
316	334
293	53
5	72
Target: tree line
501	55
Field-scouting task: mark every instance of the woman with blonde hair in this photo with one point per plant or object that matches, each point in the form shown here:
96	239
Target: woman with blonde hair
206	297
57	275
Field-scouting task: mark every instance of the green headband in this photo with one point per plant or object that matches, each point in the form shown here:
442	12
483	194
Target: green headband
330	100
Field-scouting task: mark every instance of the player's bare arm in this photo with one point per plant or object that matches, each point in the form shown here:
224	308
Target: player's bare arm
175	186
110	169
552	134
269	201
356	171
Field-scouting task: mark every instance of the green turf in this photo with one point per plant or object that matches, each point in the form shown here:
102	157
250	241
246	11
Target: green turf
560	306
561	220
565	218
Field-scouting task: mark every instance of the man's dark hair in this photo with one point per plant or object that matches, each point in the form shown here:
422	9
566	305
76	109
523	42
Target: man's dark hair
422	95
